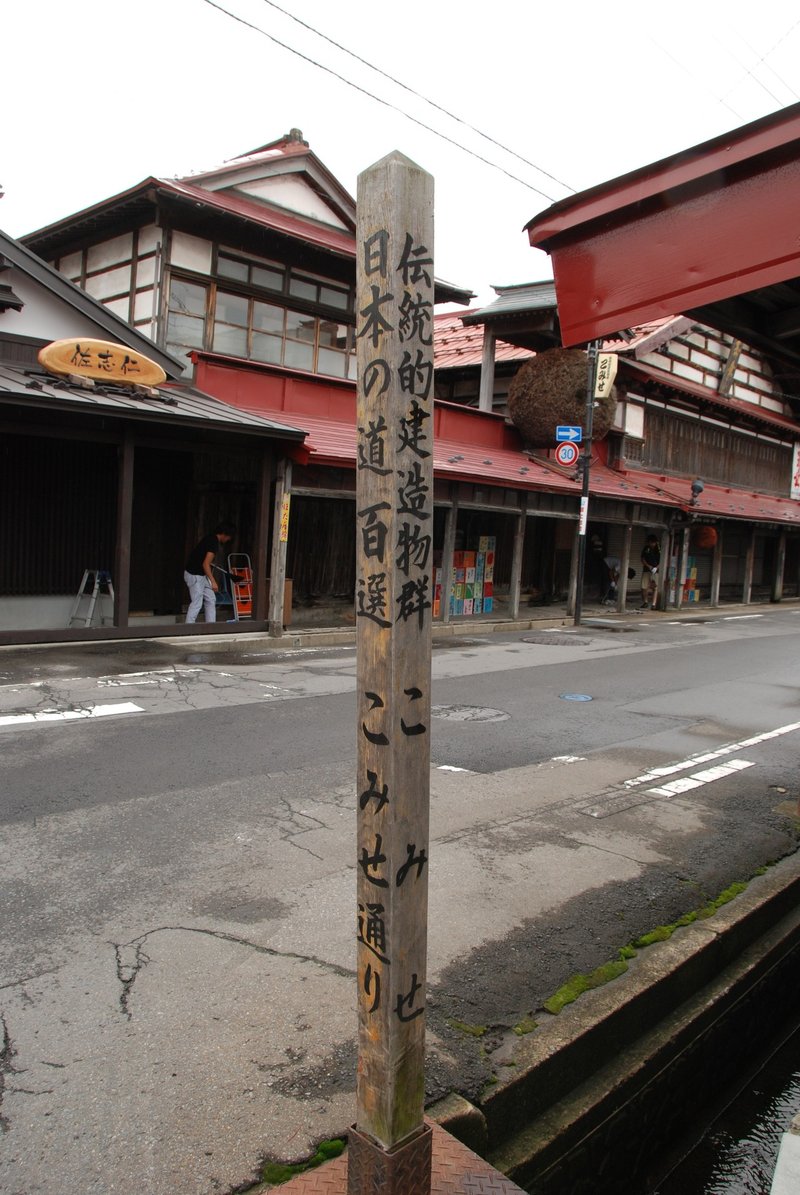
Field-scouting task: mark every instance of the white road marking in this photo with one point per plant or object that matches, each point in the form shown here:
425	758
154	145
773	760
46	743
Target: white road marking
698	779
739	617
616	802
706	757
95	711
567	758
448	767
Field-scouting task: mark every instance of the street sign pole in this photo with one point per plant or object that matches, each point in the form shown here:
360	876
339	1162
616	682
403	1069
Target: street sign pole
389	1147
591	378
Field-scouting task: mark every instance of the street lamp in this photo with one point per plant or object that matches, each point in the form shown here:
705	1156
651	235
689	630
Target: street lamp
697	489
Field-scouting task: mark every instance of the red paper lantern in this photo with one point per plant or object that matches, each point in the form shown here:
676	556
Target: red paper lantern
705	537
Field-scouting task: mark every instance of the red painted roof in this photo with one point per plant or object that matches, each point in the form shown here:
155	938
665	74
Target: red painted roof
709	159
727	501
455	345
689	233
469	445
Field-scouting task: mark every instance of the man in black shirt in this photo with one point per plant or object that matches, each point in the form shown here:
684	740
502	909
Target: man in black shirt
199	574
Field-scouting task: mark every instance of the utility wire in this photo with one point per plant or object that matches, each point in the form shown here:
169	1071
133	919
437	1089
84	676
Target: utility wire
763	59
693	77
379	100
419	96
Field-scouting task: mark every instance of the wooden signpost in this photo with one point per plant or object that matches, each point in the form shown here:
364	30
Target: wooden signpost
390	1145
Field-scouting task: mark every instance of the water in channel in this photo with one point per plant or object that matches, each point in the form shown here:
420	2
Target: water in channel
738	1151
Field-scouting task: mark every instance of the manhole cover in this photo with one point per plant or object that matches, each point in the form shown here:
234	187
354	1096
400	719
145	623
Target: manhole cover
575	697
468	713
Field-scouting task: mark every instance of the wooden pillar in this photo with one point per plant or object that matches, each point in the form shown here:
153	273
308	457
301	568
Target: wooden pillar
448	551
716	568
121	577
394	572
780	565
259	561
516	559
684	567
280	540
486	392
625	563
749	565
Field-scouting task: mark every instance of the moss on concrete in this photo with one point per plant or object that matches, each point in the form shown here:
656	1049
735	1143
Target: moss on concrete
277	1173
579	984
471	1030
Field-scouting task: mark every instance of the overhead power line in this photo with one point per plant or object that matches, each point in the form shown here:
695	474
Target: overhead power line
419	96
763	60
379	100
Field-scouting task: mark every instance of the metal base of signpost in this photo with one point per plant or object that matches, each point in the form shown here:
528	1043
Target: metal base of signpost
453	1170
405	1170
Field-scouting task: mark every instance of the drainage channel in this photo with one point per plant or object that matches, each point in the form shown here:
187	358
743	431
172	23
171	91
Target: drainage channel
614	1100
738	1150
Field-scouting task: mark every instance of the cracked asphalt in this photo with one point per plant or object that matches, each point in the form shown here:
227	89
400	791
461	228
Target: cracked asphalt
177	987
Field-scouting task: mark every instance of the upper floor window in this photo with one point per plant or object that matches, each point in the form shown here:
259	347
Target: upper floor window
224	320
269	275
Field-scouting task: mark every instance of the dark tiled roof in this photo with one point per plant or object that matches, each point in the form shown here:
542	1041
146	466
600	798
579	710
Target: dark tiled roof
173	403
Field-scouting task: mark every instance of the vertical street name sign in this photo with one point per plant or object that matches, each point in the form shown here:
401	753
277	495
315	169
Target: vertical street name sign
394	586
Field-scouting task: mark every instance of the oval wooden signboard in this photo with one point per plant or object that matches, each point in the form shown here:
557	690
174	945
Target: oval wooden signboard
101	360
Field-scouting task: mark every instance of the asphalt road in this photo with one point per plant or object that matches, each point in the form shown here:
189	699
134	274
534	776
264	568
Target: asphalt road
176	982
730	674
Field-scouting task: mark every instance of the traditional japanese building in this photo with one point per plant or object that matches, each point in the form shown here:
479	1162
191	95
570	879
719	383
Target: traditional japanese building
246	274
107	473
711	232
695	405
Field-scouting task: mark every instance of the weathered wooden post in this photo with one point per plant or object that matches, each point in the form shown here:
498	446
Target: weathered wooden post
390	1145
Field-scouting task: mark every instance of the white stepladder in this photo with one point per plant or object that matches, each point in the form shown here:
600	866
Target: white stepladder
95	586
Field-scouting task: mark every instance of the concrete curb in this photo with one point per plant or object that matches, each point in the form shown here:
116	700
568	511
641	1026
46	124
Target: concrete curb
564	1081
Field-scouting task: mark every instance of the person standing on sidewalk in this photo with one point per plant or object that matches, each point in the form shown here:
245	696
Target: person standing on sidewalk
651	559
199	573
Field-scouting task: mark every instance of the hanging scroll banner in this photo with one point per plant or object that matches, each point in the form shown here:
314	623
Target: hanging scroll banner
606	372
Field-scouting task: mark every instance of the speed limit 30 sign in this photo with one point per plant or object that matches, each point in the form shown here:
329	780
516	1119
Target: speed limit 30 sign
567	454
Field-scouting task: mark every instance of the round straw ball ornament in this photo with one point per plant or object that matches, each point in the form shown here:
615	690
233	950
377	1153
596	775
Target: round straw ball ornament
550	390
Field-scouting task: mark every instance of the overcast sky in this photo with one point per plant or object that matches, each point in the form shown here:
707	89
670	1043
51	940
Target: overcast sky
98	94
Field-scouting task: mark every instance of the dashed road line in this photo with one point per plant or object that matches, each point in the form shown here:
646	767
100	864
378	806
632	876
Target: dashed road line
617	801
698	779
707	756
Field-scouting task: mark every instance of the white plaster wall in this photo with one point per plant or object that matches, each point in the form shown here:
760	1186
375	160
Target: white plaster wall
294	194
145	272
149	236
112	282
52	614
192	253
109	253
143	305
35	613
71	265
44	315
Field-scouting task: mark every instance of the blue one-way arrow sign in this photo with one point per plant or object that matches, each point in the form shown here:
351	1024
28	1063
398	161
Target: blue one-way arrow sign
571	434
